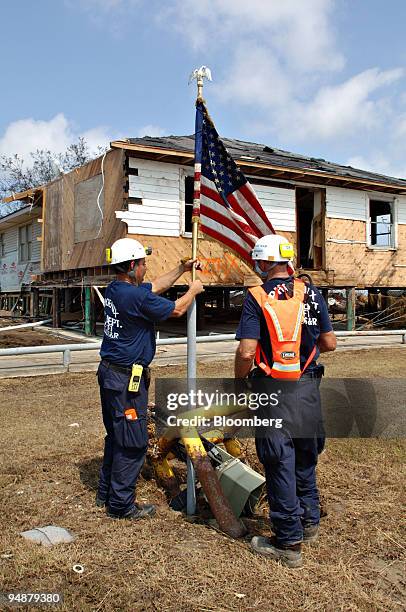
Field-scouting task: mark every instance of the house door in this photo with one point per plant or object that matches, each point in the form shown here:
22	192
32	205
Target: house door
310	214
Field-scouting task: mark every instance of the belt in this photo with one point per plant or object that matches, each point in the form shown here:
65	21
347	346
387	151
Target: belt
311	375
123	369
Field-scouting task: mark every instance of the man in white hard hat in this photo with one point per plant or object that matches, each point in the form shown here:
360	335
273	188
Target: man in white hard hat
131	308
289	460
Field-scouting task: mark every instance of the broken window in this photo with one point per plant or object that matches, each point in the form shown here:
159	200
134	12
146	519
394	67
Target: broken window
189	191
381	224
25	242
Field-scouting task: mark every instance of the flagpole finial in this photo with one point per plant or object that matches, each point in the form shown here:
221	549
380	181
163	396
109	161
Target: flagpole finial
200	74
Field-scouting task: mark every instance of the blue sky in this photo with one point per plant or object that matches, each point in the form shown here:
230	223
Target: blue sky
321	77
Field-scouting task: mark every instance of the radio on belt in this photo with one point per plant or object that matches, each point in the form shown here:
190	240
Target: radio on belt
135	379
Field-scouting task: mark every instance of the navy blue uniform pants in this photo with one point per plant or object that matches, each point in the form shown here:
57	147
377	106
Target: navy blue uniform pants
126	440
290	462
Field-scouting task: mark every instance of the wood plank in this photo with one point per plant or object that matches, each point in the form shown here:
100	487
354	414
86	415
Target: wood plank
150	219
146	182
149	195
150	231
158	210
52	226
153	168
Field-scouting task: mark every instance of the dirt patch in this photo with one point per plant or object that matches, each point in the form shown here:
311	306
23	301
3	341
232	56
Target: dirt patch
51	438
29	336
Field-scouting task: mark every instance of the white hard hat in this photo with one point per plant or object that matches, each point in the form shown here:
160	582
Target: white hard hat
273	248
126	249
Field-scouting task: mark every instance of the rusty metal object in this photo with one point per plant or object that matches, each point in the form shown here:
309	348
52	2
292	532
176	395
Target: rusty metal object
233	447
165	477
218	503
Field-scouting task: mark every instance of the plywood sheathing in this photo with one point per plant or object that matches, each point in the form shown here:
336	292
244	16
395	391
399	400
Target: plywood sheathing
220	266
60	250
52	227
356	264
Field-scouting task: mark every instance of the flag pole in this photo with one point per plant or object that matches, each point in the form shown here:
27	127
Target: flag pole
199	75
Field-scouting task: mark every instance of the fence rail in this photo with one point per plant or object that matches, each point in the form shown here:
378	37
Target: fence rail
68	349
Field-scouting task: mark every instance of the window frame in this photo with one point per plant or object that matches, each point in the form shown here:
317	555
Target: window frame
394	225
2	245
25	246
185	172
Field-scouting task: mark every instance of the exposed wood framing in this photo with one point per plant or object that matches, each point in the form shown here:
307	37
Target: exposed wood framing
60	250
353	264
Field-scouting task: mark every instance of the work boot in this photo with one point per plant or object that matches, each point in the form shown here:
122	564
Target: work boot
138	512
310	534
289	554
100	501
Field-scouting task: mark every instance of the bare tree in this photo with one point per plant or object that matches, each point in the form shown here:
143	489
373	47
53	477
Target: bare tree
16	175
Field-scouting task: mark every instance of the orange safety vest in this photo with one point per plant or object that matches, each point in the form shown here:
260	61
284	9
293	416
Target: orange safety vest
284	320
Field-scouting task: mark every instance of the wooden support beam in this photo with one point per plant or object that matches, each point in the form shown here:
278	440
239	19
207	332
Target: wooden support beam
88	311
56	308
350	299
34	303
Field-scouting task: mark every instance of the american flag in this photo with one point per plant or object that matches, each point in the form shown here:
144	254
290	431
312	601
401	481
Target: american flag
224	201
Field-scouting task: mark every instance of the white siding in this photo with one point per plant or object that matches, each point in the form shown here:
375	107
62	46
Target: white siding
401	206
152	217
13	273
155	181
279	205
158	186
346	203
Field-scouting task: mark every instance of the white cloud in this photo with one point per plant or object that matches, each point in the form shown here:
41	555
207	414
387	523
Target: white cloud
379	163
254	78
27	135
151	130
339	109
299	32
282	61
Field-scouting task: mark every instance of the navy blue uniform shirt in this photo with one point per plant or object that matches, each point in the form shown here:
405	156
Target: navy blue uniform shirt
316	320
129	316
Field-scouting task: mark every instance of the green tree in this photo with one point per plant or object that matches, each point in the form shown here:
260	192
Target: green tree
16	175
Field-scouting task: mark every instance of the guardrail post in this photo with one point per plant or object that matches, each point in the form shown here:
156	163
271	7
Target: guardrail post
66	358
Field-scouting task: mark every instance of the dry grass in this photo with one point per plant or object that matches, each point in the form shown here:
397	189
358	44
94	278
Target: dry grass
28	336
49	474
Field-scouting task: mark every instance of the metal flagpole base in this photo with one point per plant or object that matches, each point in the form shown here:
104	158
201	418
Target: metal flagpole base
191	378
191	489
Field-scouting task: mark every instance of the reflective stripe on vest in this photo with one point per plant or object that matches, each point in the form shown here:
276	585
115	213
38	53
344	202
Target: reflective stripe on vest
288	367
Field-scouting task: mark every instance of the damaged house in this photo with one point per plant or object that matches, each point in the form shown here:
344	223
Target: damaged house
348	226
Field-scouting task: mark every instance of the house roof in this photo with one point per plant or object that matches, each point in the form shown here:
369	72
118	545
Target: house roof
20	216
264	160
28	194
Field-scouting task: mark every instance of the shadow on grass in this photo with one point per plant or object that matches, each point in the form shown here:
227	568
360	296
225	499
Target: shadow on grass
89	473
